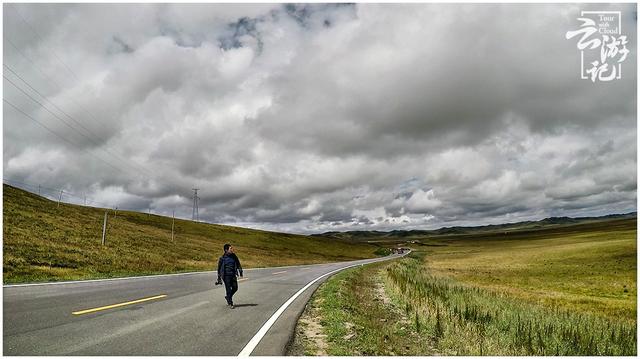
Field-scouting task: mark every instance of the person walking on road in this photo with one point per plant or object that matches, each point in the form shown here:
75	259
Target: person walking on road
228	269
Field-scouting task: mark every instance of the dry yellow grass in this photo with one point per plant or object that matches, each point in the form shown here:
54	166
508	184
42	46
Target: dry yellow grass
593	270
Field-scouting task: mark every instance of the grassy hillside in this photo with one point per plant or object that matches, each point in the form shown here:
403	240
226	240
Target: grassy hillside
42	243
556	291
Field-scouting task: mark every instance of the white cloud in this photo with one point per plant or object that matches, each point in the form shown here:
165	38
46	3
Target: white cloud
423	202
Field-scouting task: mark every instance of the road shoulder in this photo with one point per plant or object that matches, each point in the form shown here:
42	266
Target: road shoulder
352	315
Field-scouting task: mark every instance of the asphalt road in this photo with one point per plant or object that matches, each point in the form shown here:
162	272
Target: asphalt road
180	315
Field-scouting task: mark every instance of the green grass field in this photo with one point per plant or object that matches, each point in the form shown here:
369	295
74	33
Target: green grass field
42	242
568	290
587	268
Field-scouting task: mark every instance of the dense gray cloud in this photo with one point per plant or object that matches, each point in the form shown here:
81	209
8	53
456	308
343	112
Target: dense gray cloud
306	118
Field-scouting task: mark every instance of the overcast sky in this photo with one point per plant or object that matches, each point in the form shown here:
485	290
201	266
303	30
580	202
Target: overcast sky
314	118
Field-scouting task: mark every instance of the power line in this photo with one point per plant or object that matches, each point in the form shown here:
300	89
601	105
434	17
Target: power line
52	80
32	28
56	116
139	167
56	134
38	122
45	98
67	115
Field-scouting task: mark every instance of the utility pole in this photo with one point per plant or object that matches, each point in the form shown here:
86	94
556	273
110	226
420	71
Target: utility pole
173	221
60	198
39	190
149	213
195	216
115	212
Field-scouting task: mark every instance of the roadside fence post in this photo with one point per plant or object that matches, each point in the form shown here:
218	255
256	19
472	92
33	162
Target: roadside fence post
60	198
104	228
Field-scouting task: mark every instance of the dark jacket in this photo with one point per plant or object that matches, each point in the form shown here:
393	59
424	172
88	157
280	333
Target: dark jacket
238	266
229	265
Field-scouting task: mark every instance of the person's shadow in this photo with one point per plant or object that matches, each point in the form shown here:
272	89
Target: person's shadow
244	305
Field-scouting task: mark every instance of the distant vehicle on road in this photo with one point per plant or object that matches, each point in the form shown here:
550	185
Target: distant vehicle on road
400	250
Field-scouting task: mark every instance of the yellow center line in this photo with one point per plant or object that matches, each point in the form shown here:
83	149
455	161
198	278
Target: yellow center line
284	271
117	305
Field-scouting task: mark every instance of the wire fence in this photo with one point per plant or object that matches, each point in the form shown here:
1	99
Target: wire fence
60	195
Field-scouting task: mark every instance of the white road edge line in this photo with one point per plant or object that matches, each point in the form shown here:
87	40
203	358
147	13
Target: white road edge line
101	280
253	343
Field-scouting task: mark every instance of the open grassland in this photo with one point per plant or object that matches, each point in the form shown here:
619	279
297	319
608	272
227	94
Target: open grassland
586	268
42	242
462	319
562	291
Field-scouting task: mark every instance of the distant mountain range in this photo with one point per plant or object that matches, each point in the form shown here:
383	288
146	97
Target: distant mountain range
517	226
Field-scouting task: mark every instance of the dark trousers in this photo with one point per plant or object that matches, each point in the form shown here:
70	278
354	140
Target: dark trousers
231	285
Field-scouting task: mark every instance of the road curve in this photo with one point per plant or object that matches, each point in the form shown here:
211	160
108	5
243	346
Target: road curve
160	315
